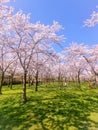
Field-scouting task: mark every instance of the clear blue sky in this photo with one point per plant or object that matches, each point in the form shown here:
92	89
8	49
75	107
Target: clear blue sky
69	13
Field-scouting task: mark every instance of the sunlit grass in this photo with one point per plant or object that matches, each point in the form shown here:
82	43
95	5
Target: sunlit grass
50	108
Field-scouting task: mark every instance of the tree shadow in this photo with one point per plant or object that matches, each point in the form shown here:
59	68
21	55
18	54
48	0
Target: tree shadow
61	112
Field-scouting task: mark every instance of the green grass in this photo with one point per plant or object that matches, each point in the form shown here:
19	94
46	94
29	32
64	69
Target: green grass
49	109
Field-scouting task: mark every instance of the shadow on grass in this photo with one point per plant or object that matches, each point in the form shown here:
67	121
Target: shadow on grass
60	112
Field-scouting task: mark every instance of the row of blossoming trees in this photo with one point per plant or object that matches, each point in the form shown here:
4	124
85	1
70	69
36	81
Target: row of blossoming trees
27	49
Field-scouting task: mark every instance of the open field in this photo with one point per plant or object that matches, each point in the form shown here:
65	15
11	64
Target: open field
49	109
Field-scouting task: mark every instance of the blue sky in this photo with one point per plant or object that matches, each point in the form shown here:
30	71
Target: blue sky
69	13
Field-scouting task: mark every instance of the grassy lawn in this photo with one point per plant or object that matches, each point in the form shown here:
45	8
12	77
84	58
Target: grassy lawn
49	109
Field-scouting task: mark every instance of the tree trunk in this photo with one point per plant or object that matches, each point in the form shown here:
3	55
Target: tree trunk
59	81
24	87
30	82
79	85
11	81
1	82
36	84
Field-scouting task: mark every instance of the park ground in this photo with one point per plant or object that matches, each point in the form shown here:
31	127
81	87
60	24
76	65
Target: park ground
50	108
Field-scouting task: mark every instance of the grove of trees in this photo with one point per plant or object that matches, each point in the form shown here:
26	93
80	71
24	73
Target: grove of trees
26	50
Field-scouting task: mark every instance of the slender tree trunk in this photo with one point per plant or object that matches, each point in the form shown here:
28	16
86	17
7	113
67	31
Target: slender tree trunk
11	81
0	89
9	78
59	81
36	84
24	87
1	82
30	80
79	84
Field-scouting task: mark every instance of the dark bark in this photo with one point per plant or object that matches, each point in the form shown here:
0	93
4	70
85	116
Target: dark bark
1	82
79	84
30	81
36	83
11	81
60	83
91	66
24	87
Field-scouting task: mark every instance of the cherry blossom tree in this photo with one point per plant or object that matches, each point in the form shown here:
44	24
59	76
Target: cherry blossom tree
11	73
41	64
5	56
92	59
50	68
93	20
74	57
6	59
26	37
59	69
